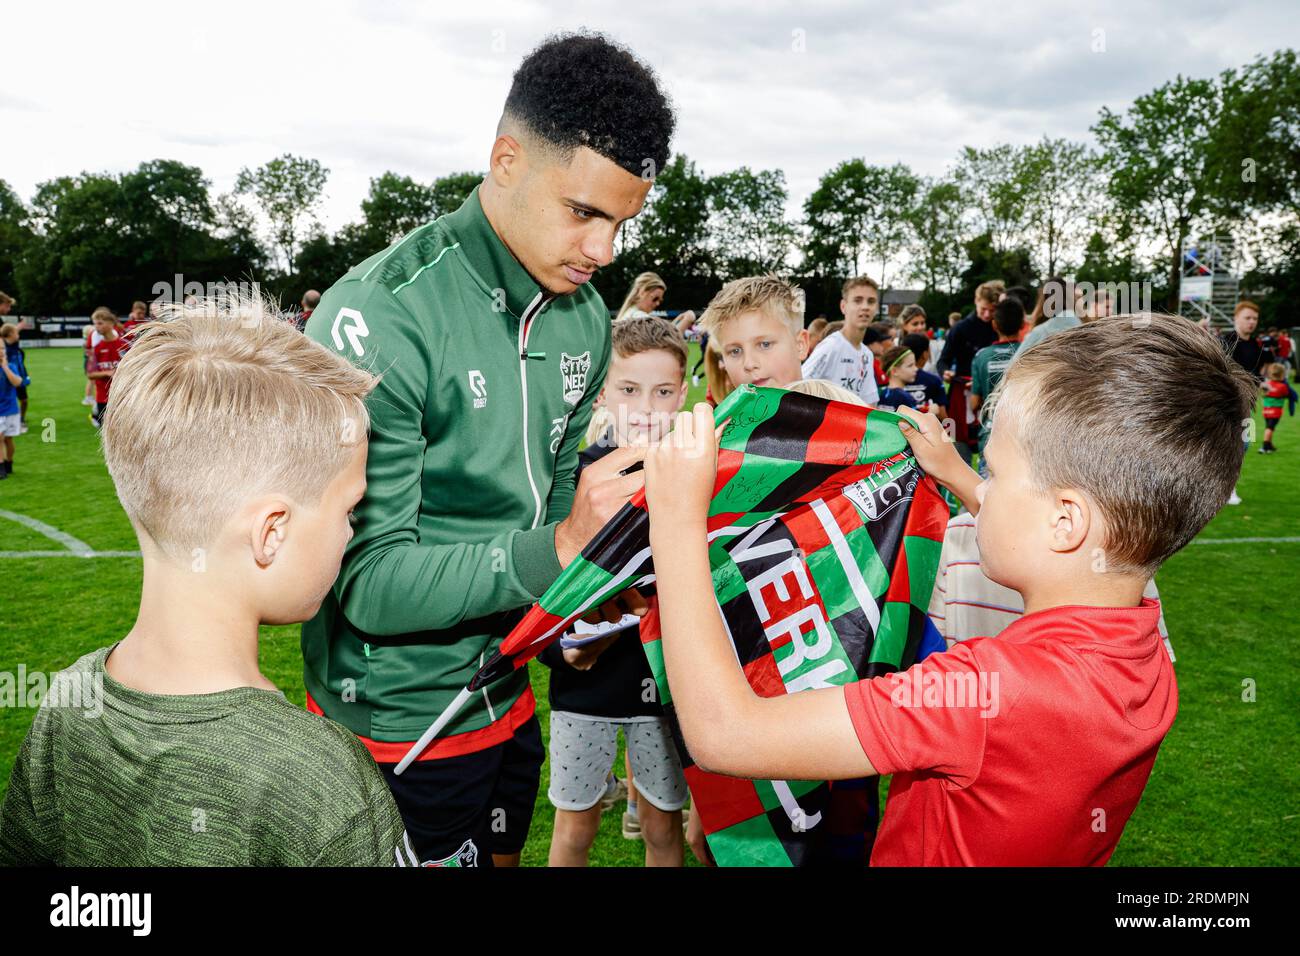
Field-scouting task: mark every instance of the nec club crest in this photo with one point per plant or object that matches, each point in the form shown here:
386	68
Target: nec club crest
574	369
466	856
875	499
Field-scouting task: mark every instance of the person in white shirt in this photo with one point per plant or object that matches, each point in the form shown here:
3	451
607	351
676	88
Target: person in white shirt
841	358
966	604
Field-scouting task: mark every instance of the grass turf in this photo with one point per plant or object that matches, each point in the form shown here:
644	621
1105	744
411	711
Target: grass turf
1224	787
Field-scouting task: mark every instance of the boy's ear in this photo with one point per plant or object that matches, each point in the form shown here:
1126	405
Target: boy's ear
801	341
600	399
270	527
1071	518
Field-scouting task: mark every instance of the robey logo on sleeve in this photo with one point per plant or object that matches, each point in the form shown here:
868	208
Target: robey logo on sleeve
478	386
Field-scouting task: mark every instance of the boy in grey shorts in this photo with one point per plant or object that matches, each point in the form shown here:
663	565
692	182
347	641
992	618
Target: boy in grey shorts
605	684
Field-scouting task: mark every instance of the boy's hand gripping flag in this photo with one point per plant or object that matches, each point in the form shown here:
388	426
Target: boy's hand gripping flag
824	542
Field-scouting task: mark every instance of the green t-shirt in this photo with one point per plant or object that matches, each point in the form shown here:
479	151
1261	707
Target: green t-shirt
986	370
110	776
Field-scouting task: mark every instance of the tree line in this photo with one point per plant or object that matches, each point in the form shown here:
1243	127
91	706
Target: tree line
1193	156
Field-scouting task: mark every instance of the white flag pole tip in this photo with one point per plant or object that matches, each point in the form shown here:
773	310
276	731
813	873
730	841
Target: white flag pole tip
434	730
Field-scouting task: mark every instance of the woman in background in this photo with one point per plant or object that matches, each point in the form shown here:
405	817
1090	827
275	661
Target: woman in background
646	295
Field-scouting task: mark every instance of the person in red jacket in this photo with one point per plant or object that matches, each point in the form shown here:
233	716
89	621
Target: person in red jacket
107	345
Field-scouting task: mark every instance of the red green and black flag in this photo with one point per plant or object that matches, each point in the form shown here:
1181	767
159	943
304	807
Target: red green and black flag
824	543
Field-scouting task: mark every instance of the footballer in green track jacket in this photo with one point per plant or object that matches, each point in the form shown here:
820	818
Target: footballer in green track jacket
492	348
487	386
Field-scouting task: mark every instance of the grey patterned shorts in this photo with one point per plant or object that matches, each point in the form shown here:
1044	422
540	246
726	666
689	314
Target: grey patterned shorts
583	750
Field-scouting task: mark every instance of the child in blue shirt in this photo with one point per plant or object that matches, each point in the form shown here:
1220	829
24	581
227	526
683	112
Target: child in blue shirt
927	389
14	352
899	366
11	380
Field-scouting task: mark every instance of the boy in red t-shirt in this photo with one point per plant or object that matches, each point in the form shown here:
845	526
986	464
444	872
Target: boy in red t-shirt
138	316
1031	748
1277	393
106	348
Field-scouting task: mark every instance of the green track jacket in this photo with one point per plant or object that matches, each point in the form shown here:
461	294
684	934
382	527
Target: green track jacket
487	388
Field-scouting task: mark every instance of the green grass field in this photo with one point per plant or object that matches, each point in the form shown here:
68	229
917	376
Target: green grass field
1225	790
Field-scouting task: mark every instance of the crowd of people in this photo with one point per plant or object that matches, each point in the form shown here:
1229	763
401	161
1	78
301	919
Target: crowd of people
461	418
104	342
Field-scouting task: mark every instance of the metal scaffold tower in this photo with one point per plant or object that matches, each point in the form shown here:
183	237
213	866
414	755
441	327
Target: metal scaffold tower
1209	285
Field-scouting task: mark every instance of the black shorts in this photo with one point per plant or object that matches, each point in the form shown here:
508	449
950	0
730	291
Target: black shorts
1271	423
22	393
461	810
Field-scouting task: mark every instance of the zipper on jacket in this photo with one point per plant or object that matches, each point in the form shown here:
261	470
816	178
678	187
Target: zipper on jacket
525	325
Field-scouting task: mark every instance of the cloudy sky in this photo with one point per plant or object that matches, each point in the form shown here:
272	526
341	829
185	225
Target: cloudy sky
416	86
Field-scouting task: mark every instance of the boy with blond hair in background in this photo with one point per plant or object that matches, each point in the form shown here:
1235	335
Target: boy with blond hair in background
601	682
845	357
756	334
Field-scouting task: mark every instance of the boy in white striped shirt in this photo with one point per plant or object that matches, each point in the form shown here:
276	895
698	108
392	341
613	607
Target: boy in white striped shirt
966	604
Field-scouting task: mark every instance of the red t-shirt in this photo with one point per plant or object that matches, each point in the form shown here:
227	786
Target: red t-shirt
128	330
1276	391
1078	700
105	355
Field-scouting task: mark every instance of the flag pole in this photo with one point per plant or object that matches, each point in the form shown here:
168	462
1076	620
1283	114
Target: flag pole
434	730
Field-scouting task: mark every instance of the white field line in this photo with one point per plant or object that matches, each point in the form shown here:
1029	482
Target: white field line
75	547
79	549
69	554
1286	540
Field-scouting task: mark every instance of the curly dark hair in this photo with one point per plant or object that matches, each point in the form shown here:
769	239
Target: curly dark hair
583	89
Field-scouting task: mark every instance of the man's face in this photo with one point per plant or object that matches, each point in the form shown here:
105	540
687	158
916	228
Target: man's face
860	307
1245	322
644	392
757	349
984	310
564	217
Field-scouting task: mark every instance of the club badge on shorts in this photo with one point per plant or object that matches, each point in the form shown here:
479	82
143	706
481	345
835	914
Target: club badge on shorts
466	856
574	369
